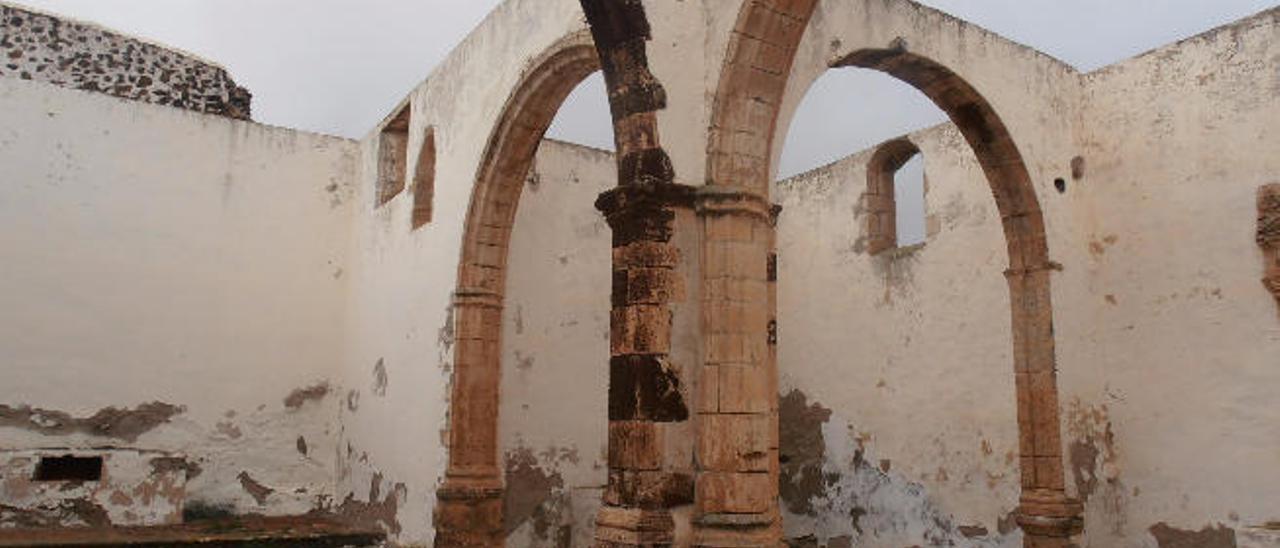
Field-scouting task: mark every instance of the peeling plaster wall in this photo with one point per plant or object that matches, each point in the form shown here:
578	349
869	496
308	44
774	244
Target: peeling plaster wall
402	280
1173	421
898	411
172	283
555	355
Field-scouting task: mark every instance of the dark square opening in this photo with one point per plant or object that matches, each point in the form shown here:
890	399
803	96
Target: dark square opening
69	468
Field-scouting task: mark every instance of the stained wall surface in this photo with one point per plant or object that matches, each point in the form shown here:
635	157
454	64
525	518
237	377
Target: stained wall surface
392	449
897	396
235	300
555	351
1181	350
172	285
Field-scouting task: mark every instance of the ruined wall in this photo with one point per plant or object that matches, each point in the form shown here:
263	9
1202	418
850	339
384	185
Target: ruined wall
898	408
555	355
391	451
172	300
1172	413
68	53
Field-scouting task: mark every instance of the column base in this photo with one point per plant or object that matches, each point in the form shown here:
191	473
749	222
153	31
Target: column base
1049	519
738	531
469	515
618	527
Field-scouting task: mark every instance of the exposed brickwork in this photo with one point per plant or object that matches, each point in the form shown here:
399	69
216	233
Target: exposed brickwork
469	506
1269	235
44	48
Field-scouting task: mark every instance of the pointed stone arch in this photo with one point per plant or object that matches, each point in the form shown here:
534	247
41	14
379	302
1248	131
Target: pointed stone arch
745	116
469	503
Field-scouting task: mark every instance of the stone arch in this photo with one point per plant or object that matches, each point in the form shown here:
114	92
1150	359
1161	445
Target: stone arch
469	503
748	101
882	208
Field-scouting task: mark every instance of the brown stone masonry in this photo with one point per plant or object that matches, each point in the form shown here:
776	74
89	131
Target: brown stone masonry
469	507
1269	235
644	386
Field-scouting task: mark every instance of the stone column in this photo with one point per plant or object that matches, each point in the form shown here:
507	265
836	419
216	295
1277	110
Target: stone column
1047	516
468	509
646	403
736	482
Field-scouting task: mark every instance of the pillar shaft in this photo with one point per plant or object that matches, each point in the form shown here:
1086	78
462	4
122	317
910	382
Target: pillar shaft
646	402
468	509
737	419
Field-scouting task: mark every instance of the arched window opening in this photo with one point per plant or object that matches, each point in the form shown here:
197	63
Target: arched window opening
424	181
894	199
393	153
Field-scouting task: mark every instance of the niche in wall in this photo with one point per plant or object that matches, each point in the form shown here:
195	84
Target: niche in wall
424	180
393	153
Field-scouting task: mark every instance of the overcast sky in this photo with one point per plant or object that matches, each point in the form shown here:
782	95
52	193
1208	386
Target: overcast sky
338	66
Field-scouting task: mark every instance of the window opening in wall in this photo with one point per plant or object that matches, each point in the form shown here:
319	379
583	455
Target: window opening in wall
69	468
893	203
393	153
908	200
424	180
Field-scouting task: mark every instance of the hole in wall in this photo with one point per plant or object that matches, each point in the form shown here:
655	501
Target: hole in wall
69	468
1060	184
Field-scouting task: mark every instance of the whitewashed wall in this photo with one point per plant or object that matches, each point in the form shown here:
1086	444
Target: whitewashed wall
156	255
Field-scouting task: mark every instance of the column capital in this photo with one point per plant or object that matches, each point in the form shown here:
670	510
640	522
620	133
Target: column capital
620	200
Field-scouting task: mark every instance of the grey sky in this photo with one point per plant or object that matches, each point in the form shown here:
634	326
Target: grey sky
338	66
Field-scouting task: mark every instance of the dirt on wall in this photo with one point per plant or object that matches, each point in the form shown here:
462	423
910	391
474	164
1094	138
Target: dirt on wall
111	422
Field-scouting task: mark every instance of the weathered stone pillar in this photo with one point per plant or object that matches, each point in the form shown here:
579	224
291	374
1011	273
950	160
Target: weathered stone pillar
736	493
646	404
1047	516
468	509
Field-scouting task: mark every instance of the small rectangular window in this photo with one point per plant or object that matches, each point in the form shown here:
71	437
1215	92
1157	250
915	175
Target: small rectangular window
69	468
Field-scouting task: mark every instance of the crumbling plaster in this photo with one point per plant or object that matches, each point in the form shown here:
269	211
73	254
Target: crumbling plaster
928	393
143	303
302	337
1180	347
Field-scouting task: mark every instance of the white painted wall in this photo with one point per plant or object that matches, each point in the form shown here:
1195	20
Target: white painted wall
555	347
156	255
1180	394
402	280
152	254
910	349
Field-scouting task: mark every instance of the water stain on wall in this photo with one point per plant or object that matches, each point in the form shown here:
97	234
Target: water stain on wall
124	424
